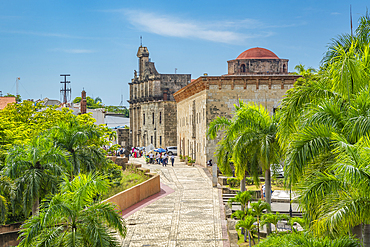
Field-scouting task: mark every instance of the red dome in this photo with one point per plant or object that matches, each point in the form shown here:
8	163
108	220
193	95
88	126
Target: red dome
257	53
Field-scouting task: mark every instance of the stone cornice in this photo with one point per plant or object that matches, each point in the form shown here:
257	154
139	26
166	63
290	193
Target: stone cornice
203	83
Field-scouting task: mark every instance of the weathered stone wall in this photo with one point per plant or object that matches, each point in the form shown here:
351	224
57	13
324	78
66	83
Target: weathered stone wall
123	137
150	93
191	126
217	96
257	66
170	124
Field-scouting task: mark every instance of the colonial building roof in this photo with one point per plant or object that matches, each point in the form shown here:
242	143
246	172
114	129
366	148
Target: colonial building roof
257	53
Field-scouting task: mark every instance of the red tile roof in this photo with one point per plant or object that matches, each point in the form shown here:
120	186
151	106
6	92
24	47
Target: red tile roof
4	101
257	53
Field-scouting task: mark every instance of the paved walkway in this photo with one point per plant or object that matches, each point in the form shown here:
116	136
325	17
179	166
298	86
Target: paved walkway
187	214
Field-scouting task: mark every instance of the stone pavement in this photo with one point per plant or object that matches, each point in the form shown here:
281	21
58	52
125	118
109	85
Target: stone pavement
189	216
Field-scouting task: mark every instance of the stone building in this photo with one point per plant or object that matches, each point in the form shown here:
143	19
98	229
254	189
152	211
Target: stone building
152	105
256	75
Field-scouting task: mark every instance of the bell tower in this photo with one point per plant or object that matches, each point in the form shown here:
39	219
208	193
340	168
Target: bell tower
143	55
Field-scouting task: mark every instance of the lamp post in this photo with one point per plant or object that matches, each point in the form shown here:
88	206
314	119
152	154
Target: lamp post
290	201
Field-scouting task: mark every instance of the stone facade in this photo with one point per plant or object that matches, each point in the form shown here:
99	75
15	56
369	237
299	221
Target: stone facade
152	105
209	97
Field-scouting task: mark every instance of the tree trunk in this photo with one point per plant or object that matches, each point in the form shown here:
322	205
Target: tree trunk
258	230
242	184
357	231
366	235
242	189
249	236
268	194
35	206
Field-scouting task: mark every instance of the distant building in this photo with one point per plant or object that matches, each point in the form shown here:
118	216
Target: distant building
256	75
4	101
152	105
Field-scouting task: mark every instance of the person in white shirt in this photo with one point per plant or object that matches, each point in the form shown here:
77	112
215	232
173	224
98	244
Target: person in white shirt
172	159
165	159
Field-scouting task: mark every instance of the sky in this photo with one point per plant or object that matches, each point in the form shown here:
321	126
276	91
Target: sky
96	41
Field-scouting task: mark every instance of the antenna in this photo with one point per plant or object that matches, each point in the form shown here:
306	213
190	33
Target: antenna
65	92
17	85
350	10
121	104
175	70
141	41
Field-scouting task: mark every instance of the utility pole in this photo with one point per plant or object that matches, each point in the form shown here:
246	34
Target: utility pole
17	86
65	92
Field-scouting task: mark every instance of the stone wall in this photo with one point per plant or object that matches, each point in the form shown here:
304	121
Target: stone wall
215	96
191	126
9	234
150	93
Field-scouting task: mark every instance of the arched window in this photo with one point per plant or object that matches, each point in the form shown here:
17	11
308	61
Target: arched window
243	68
284	68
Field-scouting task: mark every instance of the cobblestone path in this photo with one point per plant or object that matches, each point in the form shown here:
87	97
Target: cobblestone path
190	216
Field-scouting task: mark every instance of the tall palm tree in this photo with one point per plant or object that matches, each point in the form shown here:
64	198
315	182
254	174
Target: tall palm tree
74	217
258	208
36	169
249	141
79	141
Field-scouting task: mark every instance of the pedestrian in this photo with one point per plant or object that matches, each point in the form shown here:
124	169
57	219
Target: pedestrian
165	159
263	192
158	158
172	159
151	158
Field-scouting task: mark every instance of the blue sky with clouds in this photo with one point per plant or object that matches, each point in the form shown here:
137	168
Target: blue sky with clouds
96	41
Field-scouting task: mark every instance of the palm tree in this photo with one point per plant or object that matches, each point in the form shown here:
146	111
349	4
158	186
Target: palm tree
249	141
36	169
258	208
273	219
243	198
248	225
74	217
78	140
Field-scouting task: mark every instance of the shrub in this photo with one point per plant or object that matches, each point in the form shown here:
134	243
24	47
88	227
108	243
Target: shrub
233	182
249	181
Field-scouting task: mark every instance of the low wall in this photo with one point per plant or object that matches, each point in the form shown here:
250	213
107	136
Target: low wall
9	234
129	197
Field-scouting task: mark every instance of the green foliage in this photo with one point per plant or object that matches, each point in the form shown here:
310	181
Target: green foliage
324	131
306	240
18	98
273	219
75	217
118	109
90	102
35	169
233	182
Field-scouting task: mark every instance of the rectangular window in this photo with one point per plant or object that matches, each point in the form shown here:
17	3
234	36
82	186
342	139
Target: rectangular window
153	118
144	119
160	117
151	139
160	140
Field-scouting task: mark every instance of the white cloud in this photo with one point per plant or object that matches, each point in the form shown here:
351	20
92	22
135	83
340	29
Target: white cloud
220	31
335	13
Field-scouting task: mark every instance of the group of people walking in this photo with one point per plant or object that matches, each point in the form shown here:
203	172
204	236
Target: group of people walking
158	158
